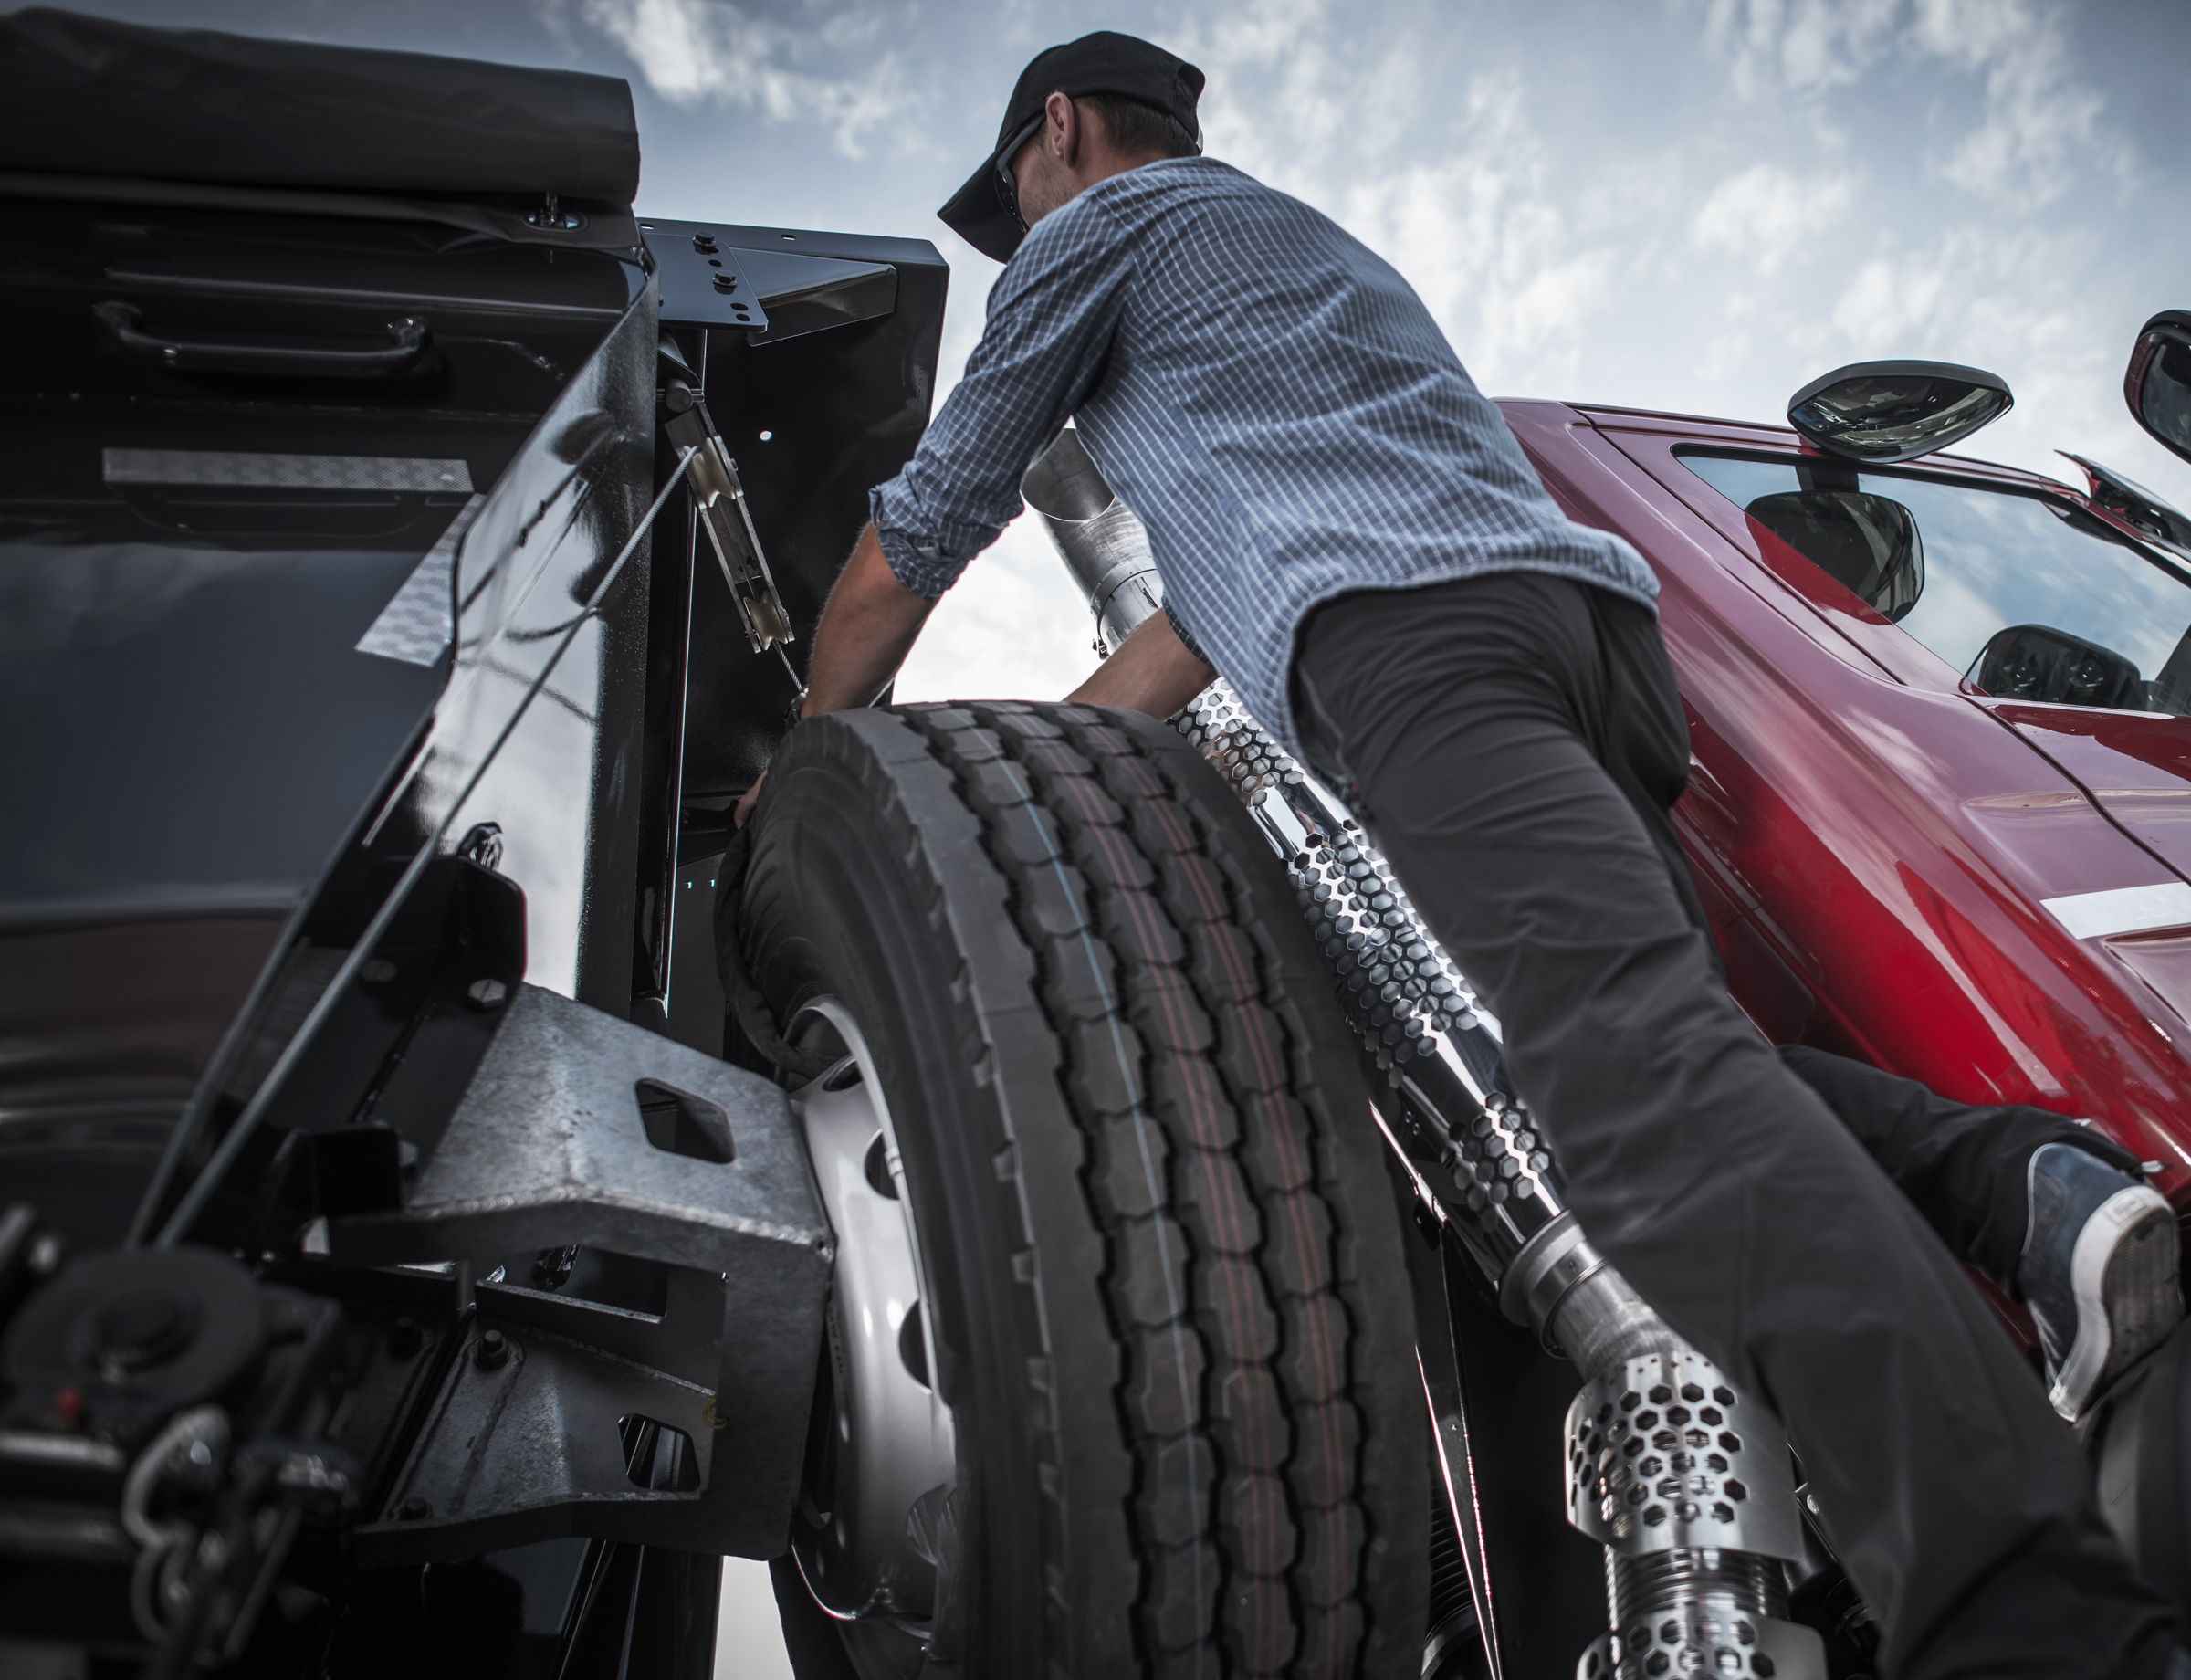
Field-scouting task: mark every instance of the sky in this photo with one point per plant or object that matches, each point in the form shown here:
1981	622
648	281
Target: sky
1693	206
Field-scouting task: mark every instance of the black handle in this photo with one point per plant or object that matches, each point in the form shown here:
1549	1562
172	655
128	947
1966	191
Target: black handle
408	341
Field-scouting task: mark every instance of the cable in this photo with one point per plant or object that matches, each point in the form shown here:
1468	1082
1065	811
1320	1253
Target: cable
232	1145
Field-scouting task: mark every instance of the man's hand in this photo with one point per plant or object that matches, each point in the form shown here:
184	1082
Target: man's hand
744	808
1152	672
867	628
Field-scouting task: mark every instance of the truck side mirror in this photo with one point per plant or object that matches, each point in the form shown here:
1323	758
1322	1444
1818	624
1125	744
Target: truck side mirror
2038	662
1879	412
2158	385
1867	544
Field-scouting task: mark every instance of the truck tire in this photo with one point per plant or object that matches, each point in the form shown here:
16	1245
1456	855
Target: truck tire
1168	1305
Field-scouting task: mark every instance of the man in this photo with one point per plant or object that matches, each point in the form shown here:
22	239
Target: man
1347	530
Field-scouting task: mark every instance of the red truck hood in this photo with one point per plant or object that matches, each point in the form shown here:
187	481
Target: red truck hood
2135	766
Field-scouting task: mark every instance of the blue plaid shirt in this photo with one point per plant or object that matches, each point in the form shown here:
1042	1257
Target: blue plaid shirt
1271	398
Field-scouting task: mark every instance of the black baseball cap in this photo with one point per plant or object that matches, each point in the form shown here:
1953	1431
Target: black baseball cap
1103	62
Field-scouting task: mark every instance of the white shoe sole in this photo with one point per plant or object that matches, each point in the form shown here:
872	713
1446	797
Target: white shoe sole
2122	1274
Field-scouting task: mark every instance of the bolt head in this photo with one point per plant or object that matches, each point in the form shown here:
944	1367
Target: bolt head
487	994
494	1351
415	1509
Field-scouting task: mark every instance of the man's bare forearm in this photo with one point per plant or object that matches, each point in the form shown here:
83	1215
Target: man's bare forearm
1152	672
867	628
872	622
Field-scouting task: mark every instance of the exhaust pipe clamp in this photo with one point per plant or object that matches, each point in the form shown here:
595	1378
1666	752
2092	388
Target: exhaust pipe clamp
1550	1265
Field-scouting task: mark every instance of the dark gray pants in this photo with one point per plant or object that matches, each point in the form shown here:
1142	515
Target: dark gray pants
1961	1163
1513	743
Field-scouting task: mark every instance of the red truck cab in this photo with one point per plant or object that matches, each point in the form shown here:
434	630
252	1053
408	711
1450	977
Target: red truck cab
1939	805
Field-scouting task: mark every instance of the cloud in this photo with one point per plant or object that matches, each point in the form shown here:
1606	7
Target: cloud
2035	122
1890	302
1495	256
1283	94
693	51
2037	119
1015	626
1765	212
1802	47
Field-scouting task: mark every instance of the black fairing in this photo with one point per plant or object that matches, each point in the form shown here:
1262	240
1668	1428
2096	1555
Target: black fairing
131	114
347	689
195	733
227	789
293	813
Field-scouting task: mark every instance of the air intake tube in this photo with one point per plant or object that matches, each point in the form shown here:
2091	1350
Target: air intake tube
1686	1480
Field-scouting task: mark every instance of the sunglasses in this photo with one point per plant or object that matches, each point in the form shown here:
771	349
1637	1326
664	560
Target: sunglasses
1007	185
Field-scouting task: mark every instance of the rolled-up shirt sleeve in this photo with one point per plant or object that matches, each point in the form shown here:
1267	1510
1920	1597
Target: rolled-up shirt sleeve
1179	628
1052	316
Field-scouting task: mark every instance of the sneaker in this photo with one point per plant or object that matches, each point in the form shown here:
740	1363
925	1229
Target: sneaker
2098	1272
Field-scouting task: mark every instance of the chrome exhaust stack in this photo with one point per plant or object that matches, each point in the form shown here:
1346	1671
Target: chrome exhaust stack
1102	540
1685	1481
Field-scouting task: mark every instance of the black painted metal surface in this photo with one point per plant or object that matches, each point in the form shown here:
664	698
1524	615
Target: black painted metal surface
192	566
353	696
92	97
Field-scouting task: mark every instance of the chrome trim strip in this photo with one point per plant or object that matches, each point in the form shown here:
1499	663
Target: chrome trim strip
2123	910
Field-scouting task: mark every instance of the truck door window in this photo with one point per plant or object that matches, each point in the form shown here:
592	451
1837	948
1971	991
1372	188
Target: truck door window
2029	597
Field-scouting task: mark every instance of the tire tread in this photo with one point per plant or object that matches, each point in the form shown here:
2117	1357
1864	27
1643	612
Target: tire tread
1239	1370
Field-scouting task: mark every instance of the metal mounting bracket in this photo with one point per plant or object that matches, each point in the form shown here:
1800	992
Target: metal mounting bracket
579	1127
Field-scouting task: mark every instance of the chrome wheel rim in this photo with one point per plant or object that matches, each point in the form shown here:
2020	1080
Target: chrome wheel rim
883	1452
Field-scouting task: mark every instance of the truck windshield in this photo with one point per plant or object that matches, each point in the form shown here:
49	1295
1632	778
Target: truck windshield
2029	597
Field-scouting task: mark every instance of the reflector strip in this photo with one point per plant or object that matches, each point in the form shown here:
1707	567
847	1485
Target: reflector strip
2123	910
229	470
